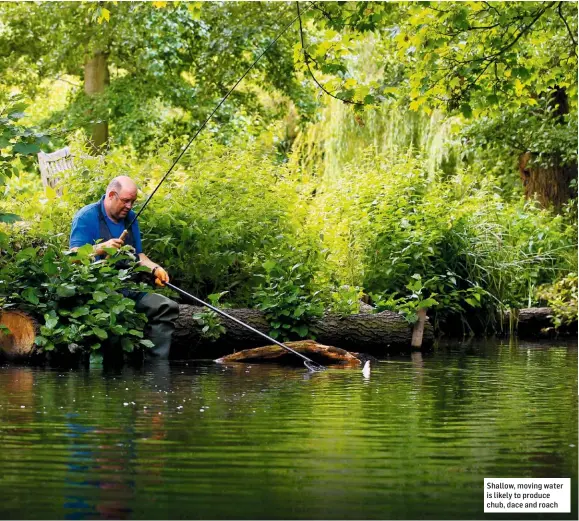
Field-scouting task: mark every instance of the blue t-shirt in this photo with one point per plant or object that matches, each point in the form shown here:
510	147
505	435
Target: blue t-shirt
86	227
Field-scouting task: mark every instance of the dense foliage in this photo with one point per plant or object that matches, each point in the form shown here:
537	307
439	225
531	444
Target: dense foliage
406	196
78	302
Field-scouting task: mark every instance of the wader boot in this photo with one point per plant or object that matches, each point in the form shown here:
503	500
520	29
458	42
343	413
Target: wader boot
161	314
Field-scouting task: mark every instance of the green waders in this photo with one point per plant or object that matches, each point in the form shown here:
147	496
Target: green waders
161	314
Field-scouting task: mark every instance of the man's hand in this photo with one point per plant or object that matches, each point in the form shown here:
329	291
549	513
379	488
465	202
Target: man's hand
111	243
161	276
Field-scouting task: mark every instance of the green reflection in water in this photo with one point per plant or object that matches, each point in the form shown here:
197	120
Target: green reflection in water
202	441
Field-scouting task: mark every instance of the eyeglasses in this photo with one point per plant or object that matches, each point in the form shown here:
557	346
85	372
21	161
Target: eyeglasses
127	202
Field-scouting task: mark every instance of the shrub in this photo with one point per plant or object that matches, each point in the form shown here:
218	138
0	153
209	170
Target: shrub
391	225
561	297
77	302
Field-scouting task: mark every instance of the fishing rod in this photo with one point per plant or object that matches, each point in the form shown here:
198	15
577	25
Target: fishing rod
308	362
271	44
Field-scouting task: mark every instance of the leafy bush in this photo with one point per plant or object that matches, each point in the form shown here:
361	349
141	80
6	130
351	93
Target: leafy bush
287	294
78	302
561	297
216	221
391	225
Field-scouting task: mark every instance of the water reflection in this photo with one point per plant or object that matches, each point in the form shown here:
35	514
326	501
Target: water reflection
196	440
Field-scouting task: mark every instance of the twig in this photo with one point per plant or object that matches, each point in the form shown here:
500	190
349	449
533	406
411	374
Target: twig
307	60
559	10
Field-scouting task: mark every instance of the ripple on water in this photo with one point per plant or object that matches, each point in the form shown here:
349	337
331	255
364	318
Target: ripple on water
413	440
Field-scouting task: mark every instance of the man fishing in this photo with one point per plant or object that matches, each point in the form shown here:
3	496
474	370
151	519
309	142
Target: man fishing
106	220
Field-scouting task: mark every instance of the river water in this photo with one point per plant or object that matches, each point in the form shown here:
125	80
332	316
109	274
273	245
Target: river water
196	440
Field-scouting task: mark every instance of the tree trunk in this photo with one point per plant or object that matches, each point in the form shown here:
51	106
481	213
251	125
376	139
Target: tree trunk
96	79
376	334
551	185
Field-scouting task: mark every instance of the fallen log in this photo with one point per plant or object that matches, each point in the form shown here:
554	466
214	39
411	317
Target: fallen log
328	356
376	334
17	333
537	322
527	323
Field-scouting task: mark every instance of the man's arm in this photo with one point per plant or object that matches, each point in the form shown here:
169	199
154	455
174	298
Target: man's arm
98	249
161	276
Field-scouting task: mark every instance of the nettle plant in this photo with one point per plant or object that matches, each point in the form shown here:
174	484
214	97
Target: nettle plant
287	296
78	302
439	292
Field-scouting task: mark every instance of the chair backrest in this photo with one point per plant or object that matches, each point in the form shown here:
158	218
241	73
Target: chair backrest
52	164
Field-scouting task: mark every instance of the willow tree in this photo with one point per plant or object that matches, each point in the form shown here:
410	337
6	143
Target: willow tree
511	65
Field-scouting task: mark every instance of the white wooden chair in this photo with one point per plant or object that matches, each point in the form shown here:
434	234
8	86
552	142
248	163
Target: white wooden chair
53	164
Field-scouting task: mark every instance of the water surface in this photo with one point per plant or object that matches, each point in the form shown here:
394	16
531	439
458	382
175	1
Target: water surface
195	440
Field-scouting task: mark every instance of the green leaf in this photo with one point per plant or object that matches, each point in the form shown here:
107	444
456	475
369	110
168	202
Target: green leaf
66	290
466	110
80	312
9	217
118	308
134	332
40	341
49	266
51	321
26	148
127	344
99	296
26	253
427	303
16	115
101	333
269	265
147	343
301	330
31	295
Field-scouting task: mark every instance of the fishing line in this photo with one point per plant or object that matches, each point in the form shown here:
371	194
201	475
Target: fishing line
309	363
271	44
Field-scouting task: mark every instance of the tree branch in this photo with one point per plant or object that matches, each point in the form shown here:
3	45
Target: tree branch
559	10
58	78
523	31
307	60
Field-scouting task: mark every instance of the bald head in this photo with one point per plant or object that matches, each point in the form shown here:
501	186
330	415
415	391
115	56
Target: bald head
120	183
120	197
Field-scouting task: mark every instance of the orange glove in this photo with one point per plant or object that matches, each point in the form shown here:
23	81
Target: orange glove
161	276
